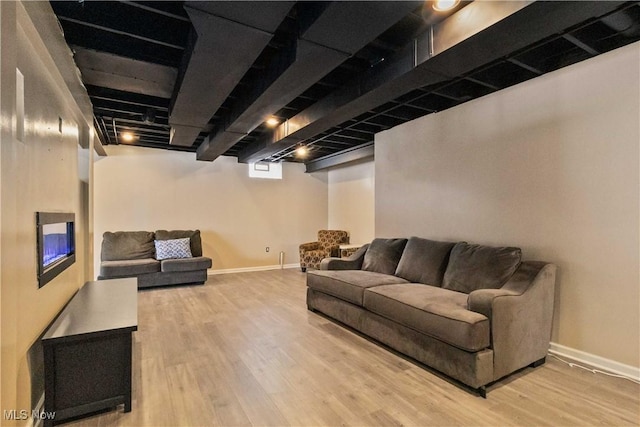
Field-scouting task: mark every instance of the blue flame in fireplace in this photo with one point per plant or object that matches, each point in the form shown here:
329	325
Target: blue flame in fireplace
57	244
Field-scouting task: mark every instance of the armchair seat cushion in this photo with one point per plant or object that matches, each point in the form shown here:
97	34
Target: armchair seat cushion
186	264
348	285
129	267
434	311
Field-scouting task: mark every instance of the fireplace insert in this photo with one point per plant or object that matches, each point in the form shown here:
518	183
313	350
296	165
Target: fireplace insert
56	244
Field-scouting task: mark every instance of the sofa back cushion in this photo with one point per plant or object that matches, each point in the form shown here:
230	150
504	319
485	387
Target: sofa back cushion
383	255
473	267
424	261
123	245
194	235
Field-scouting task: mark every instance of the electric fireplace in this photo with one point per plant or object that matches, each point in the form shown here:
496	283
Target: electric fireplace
56	244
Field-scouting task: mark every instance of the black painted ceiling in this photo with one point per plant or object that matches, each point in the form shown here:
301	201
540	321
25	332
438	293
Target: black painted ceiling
204	76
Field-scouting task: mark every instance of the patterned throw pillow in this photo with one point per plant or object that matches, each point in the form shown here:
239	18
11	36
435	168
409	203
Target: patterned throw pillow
175	248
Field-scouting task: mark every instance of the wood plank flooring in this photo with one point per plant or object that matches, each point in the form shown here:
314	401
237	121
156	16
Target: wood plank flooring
243	350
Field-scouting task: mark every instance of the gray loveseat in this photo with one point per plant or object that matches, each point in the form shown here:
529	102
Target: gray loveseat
133	254
475	313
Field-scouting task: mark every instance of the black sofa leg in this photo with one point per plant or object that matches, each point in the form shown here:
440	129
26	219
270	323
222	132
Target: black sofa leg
304	269
539	362
482	392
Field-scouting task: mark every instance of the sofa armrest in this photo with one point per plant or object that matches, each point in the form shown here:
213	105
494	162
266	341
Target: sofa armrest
353	262
521	314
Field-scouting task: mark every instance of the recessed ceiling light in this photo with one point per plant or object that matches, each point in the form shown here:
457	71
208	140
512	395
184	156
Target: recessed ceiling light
127	136
302	151
272	122
443	5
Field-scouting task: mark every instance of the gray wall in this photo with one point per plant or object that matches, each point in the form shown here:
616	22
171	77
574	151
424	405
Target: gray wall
550	165
351	200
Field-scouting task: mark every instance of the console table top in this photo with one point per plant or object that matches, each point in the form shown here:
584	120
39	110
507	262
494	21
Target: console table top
100	307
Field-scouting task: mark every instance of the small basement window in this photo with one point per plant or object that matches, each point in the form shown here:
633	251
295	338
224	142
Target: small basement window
265	170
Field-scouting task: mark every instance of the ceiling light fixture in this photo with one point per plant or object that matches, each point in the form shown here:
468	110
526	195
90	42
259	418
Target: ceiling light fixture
302	151
444	5
272	122
127	136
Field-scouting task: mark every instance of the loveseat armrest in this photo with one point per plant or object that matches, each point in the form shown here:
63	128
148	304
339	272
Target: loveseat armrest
521	314
353	262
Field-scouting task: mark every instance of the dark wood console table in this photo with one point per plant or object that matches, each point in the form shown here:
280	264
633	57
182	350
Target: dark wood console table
88	350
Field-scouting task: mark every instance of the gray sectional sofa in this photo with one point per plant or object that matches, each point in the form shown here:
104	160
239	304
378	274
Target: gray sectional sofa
133	254
475	313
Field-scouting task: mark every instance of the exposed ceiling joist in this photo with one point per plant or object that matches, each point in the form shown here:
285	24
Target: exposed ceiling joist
121	33
155	10
125	74
454	47
464	54
340	30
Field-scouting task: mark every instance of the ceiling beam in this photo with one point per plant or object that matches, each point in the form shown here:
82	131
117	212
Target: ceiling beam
125	74
183	134
119	32
582	45
230	36
338	31
476	35
525	66
361	152
124	101
154	10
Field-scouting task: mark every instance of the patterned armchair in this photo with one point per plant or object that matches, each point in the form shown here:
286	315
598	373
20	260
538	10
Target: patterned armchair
327	245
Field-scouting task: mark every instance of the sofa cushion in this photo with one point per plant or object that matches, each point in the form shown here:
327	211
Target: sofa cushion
123	245
129	267
186	264
424	261
473	267
174	248
383	255
193	235
436	312
348	285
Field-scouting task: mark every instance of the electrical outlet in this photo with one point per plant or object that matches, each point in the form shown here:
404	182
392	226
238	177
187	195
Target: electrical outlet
266	249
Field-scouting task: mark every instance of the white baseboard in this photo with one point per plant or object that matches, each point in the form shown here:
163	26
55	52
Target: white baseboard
212	272
598	362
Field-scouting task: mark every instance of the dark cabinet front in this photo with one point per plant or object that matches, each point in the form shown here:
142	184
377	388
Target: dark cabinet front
88	351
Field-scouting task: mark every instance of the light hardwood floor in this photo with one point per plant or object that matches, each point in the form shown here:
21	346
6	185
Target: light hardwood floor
244	350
